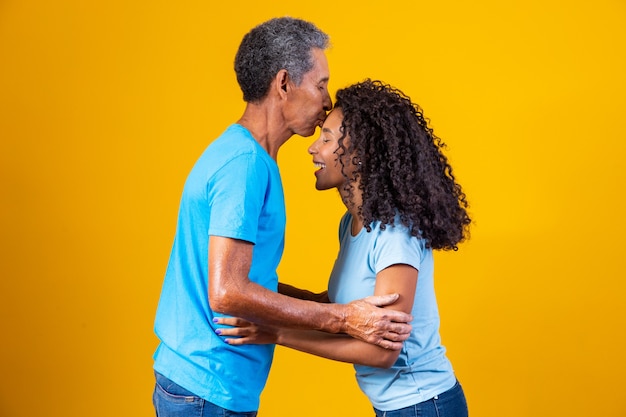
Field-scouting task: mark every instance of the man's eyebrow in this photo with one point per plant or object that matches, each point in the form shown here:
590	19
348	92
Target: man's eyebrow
324	80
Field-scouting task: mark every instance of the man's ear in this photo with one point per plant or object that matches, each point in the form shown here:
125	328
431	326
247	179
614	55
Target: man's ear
282	81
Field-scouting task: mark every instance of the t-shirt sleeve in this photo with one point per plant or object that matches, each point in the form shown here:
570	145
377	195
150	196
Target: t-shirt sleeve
395	245
236	194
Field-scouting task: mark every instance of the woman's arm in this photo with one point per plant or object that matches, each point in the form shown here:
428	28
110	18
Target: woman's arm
400	279
301	294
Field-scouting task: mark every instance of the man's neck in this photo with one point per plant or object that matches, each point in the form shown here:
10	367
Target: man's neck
266	126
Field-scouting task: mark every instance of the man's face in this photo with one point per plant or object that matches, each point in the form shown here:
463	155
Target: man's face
308	103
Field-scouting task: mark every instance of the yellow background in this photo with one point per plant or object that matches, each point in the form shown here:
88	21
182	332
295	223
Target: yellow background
105	105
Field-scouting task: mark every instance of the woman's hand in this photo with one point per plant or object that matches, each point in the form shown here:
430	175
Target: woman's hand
245	332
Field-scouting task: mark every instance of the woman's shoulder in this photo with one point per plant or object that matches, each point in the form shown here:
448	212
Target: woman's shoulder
391	227
397	231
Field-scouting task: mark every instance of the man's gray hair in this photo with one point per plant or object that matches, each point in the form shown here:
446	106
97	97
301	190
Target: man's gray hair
279	43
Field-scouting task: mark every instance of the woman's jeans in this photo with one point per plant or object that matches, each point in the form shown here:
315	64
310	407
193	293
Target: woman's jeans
172	400
449	404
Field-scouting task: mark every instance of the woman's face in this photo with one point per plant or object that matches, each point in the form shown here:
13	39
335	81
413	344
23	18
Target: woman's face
325	151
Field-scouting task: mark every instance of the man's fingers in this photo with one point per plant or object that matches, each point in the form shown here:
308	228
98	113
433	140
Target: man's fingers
382	300
400	328
396	337
400	317
388	314
388	344
391	340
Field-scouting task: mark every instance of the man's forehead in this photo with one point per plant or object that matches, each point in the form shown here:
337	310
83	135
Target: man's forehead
319	72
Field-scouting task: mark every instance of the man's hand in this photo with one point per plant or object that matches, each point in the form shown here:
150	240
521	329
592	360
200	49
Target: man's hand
384	327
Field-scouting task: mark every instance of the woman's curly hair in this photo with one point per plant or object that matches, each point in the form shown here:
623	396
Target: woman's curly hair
400	166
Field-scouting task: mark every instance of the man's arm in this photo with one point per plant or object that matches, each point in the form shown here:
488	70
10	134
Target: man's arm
399	278
231	292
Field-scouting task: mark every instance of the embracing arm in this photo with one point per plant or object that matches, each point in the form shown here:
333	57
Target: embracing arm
231	292
400	279
301	294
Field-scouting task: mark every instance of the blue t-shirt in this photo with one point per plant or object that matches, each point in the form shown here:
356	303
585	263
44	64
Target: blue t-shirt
234	190
422	369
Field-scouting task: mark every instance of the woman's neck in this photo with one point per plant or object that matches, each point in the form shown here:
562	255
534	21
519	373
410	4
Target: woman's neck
357	224
352	205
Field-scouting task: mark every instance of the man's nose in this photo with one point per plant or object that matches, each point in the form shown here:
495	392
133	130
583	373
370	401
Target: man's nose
328	103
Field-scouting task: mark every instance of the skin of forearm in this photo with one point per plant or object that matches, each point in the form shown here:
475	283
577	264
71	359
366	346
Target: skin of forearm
337	347
302	294
258	304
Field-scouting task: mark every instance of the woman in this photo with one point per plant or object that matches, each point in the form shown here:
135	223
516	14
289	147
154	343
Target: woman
402	202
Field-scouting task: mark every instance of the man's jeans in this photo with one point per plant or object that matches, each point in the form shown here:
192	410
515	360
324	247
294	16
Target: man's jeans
172	400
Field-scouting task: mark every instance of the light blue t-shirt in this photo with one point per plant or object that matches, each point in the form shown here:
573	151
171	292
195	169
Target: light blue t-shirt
234	190
422	369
